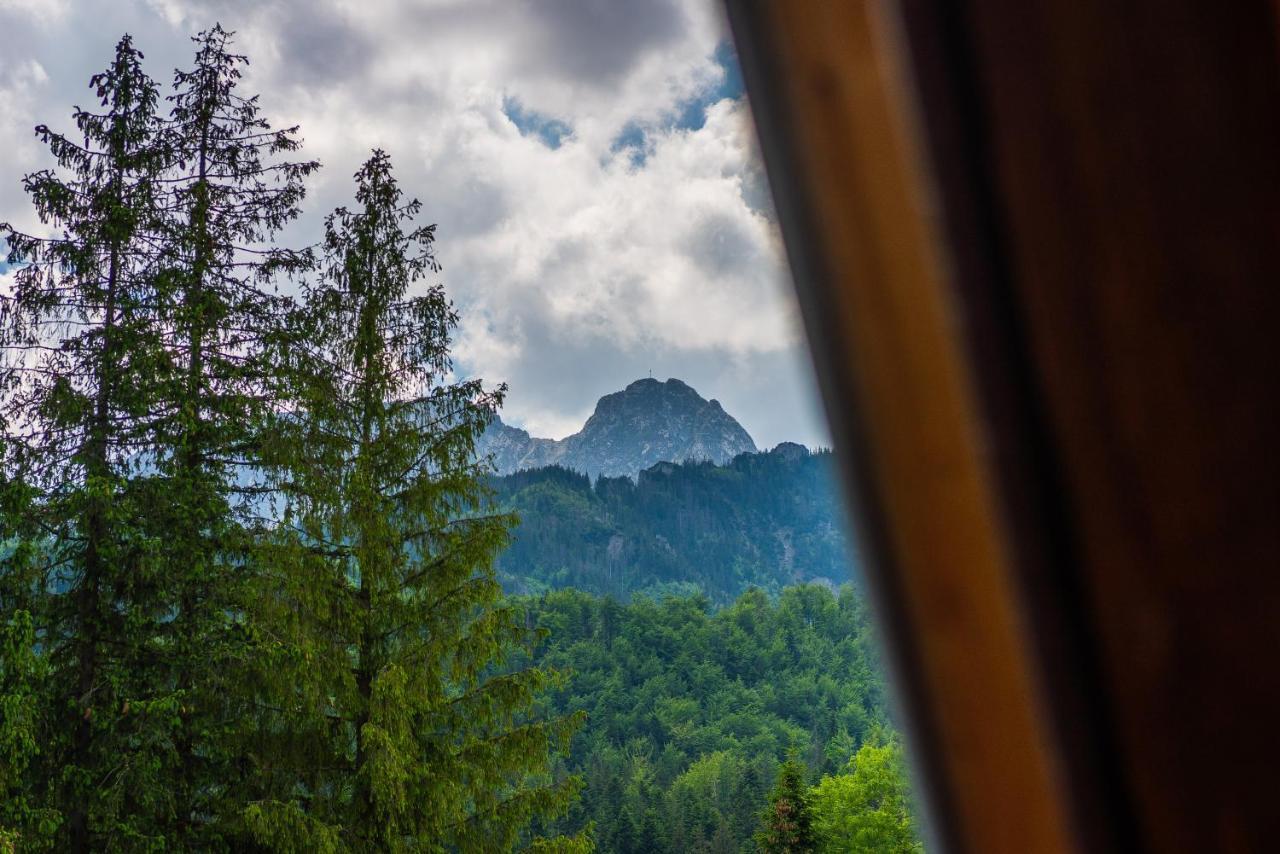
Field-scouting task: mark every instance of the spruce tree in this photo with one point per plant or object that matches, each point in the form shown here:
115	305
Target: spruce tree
27	818
82	363
787	826
402	728
232	187
27	821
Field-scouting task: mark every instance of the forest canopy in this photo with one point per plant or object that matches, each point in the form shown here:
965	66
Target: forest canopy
693	711
762	520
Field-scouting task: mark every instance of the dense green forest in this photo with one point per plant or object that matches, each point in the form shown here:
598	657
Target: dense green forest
692	711
763	520
251	566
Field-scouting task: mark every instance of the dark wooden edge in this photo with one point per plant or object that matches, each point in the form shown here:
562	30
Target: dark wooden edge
1042	531
1074	204
761	72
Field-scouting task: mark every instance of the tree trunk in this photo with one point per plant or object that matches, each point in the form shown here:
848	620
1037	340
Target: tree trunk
89	605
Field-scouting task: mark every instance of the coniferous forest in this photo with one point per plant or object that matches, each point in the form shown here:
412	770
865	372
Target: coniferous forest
761	520
695	712
251	568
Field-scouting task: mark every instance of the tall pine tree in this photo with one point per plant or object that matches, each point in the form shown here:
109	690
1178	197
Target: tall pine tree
406	733
787	825
232	187
82	367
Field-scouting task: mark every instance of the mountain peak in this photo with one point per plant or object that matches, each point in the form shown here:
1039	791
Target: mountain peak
643	382
649	385
648	422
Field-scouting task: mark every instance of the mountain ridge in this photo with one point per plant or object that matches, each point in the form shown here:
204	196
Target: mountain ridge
648	422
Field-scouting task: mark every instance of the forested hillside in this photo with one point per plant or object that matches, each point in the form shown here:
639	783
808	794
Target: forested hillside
764	520
691	712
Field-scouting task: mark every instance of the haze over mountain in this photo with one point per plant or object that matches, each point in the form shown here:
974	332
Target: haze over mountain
646	423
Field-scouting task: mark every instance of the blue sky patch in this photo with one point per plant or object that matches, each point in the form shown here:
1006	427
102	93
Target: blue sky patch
693	113
531	123
632	139
689	115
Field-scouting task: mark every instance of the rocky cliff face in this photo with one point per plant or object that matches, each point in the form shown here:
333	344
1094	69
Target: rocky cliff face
514	449
646	423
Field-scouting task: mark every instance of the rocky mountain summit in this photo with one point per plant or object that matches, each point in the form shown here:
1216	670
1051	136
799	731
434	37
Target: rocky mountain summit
646	423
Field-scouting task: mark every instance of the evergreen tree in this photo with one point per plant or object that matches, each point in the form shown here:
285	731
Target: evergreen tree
723	841
231	189
748	791
26	815
867	810
404	733
24	819
787	826
82	364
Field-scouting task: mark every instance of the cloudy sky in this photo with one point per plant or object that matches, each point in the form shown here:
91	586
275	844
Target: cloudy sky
602	210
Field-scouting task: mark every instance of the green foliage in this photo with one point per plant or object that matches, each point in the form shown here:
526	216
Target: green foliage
867	810
786	827
764	520
400	732
288	829
22	670
244	544
138	345
230	189
692	710
580	843
82	372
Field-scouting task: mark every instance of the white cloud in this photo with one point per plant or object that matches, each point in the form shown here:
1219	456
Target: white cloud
22	85
577	269
43	12
668	254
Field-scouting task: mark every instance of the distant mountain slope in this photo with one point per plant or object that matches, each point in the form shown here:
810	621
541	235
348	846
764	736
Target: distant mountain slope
765	520
646	423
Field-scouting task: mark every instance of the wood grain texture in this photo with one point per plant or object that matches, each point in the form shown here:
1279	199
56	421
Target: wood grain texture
1058	384
1134	152
880	303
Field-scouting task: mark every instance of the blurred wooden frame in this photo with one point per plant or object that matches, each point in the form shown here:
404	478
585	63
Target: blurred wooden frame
1036	249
